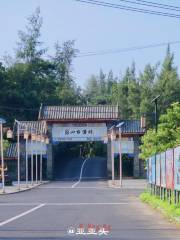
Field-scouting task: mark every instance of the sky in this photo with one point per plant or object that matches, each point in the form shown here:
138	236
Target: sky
93	28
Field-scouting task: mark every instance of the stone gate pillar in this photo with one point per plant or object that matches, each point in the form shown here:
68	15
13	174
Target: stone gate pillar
109	159
136	171
50	167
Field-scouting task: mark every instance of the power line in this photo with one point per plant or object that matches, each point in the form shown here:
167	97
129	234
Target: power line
127	8
159	4
154	5
135	48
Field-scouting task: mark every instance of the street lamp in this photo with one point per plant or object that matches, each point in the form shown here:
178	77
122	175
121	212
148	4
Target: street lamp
2	121
119	126
42	141
26	136
47	140
33	138
9	134
155	100
113	137
18	151
36	154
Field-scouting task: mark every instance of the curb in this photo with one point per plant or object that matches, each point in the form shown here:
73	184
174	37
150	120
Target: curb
23	190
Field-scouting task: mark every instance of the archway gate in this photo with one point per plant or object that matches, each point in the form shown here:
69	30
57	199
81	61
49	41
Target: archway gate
89	123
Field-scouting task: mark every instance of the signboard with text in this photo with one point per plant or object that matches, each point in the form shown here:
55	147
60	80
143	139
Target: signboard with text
127	146
158	169
79	132
169	169
36	148
163	169
177	168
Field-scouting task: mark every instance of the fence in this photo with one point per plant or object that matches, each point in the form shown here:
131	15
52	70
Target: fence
163	174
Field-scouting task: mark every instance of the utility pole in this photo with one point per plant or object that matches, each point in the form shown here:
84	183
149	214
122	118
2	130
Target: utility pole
155	100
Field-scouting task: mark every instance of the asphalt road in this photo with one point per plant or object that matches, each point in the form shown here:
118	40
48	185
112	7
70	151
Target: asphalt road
69	169
50	210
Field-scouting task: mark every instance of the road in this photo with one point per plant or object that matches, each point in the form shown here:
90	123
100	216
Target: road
69	169
48	211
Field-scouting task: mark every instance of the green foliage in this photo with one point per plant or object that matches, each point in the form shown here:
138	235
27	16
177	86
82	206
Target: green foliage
29	46
167	136
168	84
170	211
98	89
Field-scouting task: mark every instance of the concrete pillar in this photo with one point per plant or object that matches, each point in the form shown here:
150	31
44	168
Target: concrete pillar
50	167
109	159
136	171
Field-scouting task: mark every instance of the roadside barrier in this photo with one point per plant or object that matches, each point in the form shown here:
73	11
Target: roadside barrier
163	175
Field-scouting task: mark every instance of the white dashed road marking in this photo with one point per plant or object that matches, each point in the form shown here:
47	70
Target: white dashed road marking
21	215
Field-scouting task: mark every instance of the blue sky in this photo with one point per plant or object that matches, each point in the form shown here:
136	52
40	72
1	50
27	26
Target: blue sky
94	28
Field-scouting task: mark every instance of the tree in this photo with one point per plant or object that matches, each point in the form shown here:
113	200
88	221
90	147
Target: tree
67	92
147	81
133	92
29	47
168	84
167	136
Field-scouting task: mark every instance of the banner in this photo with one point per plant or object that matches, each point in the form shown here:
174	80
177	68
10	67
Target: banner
153	167
158	169
177	168
163	169
169	169
126	146
82	132
36	147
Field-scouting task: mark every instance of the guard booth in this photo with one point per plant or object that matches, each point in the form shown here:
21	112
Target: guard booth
91	124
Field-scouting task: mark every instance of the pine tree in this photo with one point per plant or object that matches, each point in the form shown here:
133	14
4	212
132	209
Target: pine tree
147	80
168	84
29	45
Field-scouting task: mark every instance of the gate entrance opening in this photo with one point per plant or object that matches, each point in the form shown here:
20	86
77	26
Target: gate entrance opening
69	157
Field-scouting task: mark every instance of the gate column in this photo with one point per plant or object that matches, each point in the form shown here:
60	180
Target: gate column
136	171
49	171
109	159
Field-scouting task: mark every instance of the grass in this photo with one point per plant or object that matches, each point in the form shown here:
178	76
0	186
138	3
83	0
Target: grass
171	211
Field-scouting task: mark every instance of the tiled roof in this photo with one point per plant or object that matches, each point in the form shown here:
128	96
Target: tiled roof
132	126
33	126
129	126
11	151
78	113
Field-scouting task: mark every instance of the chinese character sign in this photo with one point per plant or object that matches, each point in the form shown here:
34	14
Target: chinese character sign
169	169
79	132
158	169
163	169
89	229
177	168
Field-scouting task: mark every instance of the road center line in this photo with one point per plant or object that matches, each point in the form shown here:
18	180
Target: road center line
21	215
80	177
